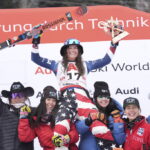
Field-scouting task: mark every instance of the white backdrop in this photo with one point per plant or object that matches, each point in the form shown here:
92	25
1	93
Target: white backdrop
127	75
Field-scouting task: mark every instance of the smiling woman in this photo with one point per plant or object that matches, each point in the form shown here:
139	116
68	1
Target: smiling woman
111	131
137	129
42	121
17	96
71	73
72	52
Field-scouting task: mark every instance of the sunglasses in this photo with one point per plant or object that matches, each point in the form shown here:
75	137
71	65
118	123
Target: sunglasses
19	95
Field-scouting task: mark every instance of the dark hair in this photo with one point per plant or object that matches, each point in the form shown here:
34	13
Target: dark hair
41	111
79	62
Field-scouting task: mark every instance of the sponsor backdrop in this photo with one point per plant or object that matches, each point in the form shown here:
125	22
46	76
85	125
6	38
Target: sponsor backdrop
127	75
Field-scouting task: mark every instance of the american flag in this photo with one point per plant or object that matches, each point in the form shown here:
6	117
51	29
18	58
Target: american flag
67	106
105	144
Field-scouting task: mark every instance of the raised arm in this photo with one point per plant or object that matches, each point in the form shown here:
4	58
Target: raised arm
44	62
25	132
99	63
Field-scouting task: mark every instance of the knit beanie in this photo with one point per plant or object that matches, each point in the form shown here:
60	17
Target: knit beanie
101	89
50	92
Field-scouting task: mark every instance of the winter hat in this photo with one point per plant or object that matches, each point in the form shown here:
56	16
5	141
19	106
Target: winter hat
49	92
18	87
101	89
131	101
71	42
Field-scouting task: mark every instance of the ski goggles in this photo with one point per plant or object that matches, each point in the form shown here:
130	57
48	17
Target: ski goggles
106	97
15	95
72	41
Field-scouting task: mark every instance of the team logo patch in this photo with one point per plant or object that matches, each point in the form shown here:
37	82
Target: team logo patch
140	131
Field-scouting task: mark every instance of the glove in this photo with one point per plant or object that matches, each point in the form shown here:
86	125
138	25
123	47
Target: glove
116	116
95	116
60	140
24	111
36	40
117	30
98	116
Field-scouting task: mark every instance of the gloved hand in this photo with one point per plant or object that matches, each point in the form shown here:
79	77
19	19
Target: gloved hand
118	29
116	116
24	111
113	26
60	140
36	40
96	116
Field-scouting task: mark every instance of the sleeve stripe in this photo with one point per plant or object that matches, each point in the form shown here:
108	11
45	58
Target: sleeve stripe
110	53
35	50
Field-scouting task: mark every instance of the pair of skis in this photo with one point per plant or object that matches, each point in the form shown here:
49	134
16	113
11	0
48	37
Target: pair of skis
111	26
40	28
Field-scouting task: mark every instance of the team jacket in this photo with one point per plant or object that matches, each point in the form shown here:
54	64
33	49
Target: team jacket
137	136
9	118
71	76
44	133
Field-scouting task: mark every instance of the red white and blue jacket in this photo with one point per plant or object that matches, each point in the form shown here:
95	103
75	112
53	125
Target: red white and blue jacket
71	76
